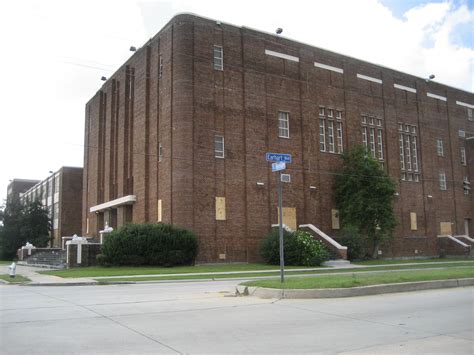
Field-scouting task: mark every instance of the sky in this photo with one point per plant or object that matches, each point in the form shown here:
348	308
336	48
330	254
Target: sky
53	54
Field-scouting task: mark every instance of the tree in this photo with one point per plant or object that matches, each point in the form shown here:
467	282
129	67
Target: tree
23	223
364	195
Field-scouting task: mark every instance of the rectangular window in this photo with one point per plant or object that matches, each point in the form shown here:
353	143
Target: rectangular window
322	135
364	137
379	144
414	152
469	114
466	185
160	152
331	136
442	181
408	152
219	146
340	148
462	133
372	137
439	147
218	58
463	156
372	142
160	67
283	124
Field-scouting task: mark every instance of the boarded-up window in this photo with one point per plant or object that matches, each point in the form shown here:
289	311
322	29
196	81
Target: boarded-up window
160	212
335	219
413	224
289	217
220	208
445	228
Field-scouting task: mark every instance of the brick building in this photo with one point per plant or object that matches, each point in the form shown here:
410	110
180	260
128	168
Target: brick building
61	194
17	187
179	134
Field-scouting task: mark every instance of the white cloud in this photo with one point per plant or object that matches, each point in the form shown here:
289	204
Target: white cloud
44	95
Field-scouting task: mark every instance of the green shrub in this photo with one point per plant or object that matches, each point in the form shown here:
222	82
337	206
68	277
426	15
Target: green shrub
355	242
301	248
150	244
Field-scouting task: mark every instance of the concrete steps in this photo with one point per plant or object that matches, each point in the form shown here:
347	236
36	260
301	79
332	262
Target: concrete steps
52	259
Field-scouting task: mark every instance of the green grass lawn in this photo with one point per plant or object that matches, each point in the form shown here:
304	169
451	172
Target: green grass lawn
16	280
289	273
355	279
257	268
410	261
129	271
3	262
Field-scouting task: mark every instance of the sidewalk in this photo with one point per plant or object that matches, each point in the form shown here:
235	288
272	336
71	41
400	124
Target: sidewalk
39	279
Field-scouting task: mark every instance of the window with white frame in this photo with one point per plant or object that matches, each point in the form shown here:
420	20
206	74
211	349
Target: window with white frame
469	114
331	131
160	71
218	58
439	147
408	145
466	185
283	124
160	152
219	146
372	137
442	181
463	156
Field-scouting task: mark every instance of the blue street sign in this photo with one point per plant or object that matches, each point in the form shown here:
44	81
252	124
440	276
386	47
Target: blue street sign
276	157
278	166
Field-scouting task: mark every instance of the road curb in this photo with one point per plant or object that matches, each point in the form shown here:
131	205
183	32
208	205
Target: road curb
263	292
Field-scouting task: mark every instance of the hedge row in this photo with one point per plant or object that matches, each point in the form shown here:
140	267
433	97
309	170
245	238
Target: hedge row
149	244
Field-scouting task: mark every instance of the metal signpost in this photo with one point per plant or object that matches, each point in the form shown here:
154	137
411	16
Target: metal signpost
279	164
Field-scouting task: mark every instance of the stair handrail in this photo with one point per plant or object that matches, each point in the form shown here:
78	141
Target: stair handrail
465	237
449	236
324	236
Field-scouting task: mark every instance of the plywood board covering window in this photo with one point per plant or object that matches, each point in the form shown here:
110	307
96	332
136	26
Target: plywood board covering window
220	209
413	224
289	217
160	211
445	228
335	219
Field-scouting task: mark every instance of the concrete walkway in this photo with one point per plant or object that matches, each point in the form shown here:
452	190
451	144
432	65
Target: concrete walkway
40	279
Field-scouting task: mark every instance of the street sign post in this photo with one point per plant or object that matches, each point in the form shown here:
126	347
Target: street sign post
279	164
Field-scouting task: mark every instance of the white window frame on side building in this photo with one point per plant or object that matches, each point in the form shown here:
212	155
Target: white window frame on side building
442	181
283	124
219	146
218	54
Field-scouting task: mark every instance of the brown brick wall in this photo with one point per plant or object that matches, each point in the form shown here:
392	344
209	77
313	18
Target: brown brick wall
192	102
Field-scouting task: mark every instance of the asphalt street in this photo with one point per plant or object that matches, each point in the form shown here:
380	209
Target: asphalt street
204	317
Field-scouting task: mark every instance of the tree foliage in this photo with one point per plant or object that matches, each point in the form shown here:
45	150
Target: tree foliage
23	223
364	196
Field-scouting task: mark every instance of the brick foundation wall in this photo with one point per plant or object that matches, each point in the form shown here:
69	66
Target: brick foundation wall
89	253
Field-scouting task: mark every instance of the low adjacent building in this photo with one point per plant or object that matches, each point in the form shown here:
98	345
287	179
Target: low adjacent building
61	193
17	187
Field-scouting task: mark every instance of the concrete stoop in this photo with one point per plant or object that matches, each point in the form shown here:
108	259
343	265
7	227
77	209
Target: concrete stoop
263	292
